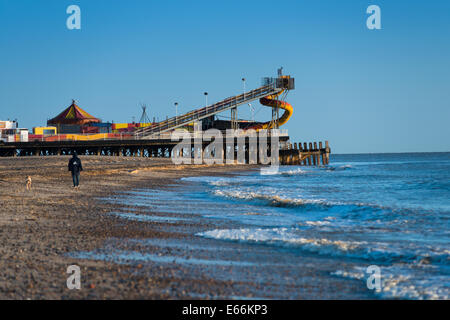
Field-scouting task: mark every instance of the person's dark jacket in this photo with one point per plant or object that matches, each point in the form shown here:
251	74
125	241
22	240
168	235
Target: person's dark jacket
75	165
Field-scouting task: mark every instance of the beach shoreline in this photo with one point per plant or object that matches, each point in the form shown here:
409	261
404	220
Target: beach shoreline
127	248
40	227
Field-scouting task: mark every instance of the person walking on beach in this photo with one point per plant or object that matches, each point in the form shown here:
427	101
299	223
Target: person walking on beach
75	167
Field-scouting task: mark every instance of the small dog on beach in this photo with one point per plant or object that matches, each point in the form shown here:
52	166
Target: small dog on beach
28	183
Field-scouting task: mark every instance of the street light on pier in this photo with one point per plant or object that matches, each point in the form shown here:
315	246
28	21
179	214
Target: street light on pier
253	111
176	112
206	98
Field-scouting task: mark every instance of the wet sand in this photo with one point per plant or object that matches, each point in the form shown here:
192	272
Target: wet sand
41	229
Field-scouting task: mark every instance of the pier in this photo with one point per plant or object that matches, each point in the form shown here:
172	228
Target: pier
235	141
308	154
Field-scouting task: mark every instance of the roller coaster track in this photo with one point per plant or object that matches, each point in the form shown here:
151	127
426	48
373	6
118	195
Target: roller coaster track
268	95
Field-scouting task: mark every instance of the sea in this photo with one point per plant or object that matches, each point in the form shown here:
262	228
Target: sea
380	219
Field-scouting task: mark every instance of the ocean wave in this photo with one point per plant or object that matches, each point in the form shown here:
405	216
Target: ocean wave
279	201
219	183
145	217
374	251
280	236
345	209
339	168
268	171
293	172
400	281
208	180
273	199
314	223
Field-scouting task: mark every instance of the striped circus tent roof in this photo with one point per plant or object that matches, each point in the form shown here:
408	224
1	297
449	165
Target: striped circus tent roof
73	115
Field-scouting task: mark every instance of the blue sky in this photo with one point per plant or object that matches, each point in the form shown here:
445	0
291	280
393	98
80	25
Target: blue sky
363	90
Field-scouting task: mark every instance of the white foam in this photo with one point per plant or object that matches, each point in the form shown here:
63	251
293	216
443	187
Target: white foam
314	223
273	198
268	171
122	256
398	281
219	183
291	236
283	236
293	172
145	217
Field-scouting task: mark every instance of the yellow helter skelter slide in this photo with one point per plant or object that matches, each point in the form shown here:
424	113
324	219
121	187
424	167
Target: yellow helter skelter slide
273	102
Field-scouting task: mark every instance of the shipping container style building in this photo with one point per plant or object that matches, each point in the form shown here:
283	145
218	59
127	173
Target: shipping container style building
10	132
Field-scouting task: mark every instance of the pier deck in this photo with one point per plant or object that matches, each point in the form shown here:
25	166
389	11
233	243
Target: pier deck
311	153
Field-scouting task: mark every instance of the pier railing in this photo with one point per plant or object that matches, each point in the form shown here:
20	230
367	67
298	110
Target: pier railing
210	110
128	136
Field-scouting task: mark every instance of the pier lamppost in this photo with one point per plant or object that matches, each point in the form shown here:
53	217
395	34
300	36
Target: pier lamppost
176	112
243	81
253	111
206	98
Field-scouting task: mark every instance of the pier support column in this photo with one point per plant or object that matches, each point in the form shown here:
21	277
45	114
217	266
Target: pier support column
305	149
327	152
247	150
224	152
321	152
315	154
295	156
300	153
310	154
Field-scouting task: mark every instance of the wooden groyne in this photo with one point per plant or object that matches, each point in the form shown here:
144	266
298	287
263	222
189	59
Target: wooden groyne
306	154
